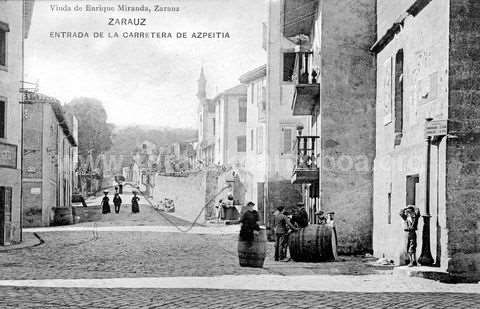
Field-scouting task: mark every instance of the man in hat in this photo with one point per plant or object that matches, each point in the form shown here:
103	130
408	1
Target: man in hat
282	226
300	216
321	219
410	215
117	201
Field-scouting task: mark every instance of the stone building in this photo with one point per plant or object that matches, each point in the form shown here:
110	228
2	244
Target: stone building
48	159
229	127
15	18
280	124
428	67
335	88
145	166
205	124
255	133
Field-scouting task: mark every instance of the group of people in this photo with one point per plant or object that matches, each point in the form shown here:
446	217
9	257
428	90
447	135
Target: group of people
221	208
117	202
284	224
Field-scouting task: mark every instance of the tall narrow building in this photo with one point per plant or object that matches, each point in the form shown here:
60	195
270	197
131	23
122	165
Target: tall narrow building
15	18
334	74
205	124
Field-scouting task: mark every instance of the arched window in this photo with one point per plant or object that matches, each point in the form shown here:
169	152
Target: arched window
398	96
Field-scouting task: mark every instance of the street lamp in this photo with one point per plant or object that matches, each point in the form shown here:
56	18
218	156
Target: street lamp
426	258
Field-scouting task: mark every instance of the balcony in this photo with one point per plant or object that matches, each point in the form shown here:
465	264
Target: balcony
298	17
307	89
306	169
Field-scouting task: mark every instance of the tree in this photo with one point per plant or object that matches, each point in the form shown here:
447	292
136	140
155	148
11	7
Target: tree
94	133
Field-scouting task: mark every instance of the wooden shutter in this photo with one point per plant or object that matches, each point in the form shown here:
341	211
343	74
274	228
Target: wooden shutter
287	140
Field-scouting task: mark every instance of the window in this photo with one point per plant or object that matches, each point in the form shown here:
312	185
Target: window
241	143
259	140
398	96
242	110
263	99
389	213
213	124
252	92
264	36
3	43
288	66
251	140
287	141
2	119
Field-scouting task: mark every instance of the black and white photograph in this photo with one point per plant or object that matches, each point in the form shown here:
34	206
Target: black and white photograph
239	154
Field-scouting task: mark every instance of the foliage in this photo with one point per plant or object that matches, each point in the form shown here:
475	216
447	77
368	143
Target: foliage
128	139
94	133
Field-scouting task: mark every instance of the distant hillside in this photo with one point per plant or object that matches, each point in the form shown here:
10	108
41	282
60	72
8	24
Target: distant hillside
125	139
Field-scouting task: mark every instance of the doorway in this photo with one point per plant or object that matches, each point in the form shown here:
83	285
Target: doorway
5	215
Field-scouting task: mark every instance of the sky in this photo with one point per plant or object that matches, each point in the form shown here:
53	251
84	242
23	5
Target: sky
148	82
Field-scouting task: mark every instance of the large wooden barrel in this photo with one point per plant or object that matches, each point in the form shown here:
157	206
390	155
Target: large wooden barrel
63	216
314	243
252	253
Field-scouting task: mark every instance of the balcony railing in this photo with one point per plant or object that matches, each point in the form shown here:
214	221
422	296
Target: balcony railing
303	73
307	90
262	110
306	168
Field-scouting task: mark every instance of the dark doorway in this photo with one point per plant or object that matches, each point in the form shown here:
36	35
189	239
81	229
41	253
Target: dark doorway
5	215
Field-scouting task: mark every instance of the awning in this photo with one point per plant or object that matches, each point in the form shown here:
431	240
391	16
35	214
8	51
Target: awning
306	97
298	17
4	27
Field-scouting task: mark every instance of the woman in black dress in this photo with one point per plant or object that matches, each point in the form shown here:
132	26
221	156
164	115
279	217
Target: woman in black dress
105	203
249	221
135	199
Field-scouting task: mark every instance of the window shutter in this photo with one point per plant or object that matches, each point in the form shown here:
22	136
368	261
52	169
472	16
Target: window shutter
251	140
3	47
287	140
2	119
260	140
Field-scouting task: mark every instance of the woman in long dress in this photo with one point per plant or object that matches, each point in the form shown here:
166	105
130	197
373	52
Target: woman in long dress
135	199
105	203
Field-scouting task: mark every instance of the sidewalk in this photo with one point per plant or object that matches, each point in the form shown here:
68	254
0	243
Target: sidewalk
358	284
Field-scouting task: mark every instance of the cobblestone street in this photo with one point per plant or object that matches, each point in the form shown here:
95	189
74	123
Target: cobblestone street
97	253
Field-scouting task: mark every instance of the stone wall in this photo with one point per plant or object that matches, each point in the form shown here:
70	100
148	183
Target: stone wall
463	152
347	119
188	194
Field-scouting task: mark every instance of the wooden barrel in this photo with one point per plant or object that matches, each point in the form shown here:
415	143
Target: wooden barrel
314	243
63	216
252	253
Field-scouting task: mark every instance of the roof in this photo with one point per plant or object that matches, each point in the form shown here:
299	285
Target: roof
237	90
254	74
27	16
63	119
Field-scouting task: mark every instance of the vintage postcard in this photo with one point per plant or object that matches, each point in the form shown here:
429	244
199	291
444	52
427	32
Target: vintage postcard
239	154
